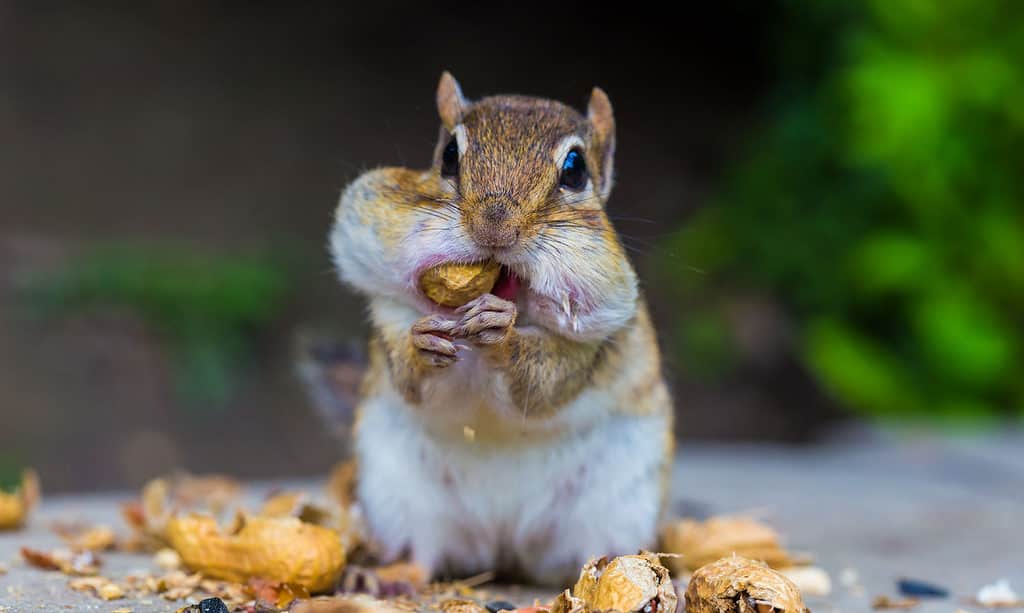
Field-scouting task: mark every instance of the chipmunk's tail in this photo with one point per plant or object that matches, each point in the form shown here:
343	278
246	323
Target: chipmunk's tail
332	370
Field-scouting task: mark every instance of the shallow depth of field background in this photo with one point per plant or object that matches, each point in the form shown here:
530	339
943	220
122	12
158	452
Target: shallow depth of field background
824	200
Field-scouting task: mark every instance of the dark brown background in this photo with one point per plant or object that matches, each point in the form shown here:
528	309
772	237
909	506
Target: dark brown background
235	125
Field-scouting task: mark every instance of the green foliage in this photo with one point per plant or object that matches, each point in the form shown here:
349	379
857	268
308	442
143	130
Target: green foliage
707	337
883	202
10	473
207	308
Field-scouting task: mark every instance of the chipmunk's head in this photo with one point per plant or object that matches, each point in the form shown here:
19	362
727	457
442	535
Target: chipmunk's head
513	162
522	181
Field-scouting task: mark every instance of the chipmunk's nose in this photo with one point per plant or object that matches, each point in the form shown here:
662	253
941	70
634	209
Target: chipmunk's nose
494	224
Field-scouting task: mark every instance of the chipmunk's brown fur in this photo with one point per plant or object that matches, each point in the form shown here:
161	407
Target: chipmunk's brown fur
558	376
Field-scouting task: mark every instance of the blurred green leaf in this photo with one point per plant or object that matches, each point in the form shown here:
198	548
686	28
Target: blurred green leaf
891	262
961	339
10	473
707	344
881	201
207	308
859	370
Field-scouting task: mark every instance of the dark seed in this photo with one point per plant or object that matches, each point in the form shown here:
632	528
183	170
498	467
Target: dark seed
920	589
500	605
213	605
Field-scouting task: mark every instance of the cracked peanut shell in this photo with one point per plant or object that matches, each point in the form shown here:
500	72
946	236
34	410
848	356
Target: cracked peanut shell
453	285
737	585
626	583
284	549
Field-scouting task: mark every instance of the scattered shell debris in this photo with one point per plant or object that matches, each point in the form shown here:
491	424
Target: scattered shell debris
102	587
296	556
83	536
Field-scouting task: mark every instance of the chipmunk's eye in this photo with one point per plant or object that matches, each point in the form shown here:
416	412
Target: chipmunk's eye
574	171
450	159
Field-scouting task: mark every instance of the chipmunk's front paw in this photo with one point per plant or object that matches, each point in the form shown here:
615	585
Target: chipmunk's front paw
432	341
486	320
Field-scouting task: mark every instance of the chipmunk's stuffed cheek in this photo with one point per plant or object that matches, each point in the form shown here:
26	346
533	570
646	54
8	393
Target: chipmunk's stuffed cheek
546	312
426	244
585	302
557	306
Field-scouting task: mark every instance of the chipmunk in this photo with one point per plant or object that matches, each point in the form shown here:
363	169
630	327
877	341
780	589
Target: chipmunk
531	428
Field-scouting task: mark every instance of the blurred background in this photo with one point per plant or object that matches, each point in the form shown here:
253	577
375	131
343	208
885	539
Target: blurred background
824	201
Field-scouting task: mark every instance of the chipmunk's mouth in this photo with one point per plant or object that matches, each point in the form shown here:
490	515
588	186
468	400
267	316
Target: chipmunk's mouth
447	286
508	284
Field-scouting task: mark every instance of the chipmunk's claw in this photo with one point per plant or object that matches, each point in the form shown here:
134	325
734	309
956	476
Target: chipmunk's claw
431	338
486	320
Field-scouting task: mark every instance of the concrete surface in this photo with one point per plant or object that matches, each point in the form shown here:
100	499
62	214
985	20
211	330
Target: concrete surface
948	512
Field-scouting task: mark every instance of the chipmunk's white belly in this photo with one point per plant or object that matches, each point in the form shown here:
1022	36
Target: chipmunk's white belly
542	506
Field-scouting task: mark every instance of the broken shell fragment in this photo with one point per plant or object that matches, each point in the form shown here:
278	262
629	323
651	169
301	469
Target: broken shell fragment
79	563
567	603
738	585
80	536
165	496
104	588
627	583
15	507
453	285
284	549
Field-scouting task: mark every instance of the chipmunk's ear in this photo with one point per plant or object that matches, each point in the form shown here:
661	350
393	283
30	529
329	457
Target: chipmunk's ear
450	102
599	114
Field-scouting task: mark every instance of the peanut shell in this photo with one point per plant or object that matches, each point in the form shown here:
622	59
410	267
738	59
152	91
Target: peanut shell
738	585
284	549
453	285
627	583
